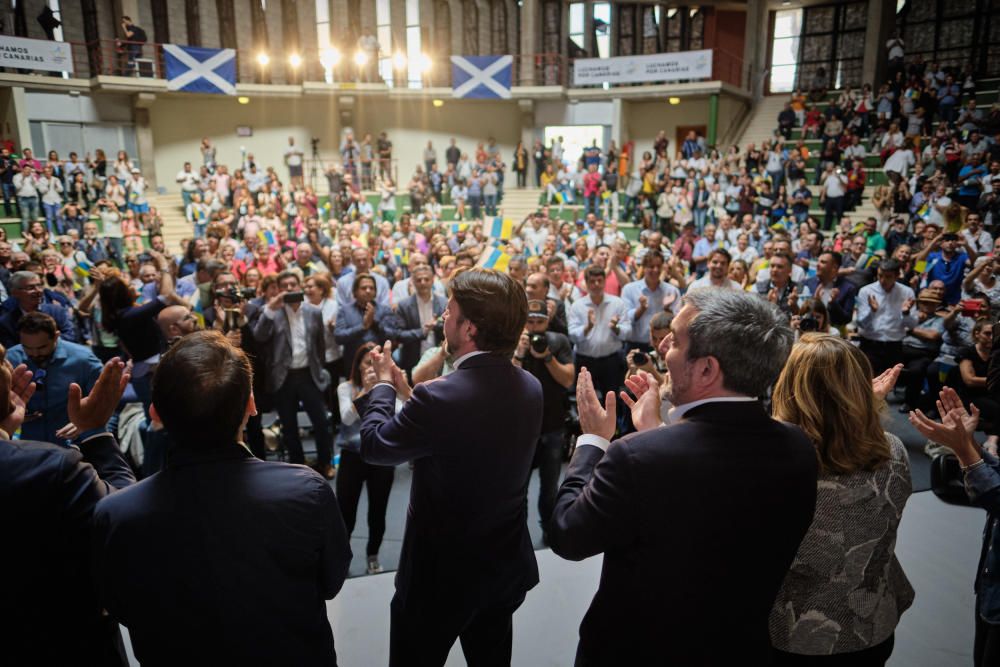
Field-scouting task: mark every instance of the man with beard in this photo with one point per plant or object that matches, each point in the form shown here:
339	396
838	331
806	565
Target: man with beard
673	508
55	365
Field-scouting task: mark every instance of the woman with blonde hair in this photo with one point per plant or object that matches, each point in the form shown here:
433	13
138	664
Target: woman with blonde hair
845	591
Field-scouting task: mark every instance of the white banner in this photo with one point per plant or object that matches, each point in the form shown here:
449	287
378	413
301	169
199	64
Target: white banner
640	69
22	53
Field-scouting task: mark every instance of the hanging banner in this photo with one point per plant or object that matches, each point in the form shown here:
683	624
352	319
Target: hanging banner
22	53
643	69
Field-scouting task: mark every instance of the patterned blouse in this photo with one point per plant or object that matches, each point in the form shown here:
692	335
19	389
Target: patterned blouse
845	590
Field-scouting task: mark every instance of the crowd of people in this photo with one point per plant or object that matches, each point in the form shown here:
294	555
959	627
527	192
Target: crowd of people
330	300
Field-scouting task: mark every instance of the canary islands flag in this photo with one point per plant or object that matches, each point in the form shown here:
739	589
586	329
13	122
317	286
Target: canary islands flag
495	259
501	229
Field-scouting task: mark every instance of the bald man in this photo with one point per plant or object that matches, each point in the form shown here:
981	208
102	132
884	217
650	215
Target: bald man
175	322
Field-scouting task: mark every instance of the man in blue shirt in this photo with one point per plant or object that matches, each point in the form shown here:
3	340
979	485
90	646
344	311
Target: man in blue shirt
55	364
27	296
970	183
946	265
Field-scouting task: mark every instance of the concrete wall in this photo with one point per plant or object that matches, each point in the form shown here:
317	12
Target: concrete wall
644	120
409	124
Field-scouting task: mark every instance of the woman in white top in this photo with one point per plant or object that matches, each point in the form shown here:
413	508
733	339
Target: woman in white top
353	472
387	200
115	191
123	167
318	290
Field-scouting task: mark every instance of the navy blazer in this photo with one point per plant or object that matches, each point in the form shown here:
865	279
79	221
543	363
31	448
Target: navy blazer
47	497
10	315
471	435
351	333
222	558
404	326
698	522
841	309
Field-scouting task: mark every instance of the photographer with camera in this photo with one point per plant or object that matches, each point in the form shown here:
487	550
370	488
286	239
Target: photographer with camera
649	360
549	357
294	333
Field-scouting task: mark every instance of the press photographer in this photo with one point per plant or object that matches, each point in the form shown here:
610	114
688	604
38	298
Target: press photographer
549	357
639	360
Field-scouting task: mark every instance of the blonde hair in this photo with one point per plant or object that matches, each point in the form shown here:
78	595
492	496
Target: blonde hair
825	389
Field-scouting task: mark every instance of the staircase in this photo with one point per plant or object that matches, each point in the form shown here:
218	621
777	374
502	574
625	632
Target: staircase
175	226
764	120
519	203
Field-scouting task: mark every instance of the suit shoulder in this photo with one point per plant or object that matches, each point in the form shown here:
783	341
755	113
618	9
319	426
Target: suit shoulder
38	453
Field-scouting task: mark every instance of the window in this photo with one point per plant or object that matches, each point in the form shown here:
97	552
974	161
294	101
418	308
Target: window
785	50
383	33
602	29
323	41
576	22
953	34
414	57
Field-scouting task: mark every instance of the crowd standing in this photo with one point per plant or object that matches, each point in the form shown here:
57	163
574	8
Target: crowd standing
310	288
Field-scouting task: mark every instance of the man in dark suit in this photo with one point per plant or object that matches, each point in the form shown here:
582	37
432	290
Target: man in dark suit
193	558
49	493
26	292
416	324
295	332
698	520
466	562
836	291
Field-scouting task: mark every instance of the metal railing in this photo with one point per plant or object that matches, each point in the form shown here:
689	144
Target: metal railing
109	57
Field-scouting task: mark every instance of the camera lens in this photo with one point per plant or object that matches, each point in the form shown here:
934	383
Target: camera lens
640	358
539	343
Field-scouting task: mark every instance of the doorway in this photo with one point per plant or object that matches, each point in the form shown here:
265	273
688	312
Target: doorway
700	131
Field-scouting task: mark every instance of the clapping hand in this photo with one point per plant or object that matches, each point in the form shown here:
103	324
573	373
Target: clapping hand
20	392
884	383
94	411
873	302
387	371
955	428
595	419
645	406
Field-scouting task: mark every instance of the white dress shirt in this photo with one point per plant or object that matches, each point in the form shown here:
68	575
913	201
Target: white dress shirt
296	335
601	340
888	323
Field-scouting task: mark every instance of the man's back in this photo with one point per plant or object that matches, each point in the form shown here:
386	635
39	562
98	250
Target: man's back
698	523
195	558
466	533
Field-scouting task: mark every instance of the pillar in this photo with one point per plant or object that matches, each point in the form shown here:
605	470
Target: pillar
144	137
755	47
881	22
14	115
713	118
531	27
618	131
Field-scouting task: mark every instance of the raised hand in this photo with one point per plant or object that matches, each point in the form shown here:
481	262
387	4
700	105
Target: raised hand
884	383
369	317
949	403
20	392
950	432
872	302
94	411
645	406
594	418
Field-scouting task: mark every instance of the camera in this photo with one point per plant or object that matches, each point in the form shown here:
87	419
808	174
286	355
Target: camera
236	293
972	308
640	358
808	323
145	258
293	297
539	343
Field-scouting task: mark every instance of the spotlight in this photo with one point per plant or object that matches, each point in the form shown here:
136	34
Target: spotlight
438	103
242	99
674	100
329	58
399	60
360	58
295	60
423	63
263	59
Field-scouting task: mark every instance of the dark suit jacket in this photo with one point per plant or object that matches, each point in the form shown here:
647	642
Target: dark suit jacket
841	309
277	333
47	497
10	315
472	437
698	523
222	558
351	333
404	326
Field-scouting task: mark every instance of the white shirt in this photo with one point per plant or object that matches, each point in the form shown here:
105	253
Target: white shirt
296	335
706	281
188	181
675	414
888	323
426	311
601	340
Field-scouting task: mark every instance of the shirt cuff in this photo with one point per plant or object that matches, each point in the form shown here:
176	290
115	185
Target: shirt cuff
87	436
593	440
270	313
385	384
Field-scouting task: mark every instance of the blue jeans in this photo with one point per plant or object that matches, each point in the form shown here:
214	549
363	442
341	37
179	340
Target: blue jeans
29	211
52	219
9	195
491	204
186	198
475	202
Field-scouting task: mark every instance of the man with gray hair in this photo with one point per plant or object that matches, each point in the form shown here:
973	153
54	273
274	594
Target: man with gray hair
27	295
699	519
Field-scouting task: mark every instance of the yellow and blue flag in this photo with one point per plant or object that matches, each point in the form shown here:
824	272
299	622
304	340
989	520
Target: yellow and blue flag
501	229
495	259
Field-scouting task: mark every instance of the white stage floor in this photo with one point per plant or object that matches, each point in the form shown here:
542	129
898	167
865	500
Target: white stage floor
938	546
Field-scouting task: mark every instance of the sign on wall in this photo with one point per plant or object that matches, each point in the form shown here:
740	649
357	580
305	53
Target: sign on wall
38	54
642	69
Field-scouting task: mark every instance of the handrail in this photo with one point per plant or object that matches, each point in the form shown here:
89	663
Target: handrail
112	57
